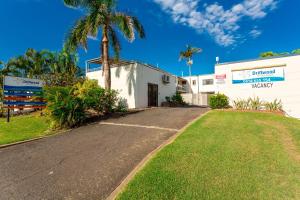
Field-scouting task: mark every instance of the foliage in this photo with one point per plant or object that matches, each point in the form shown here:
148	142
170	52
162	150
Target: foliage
188	54
296	51
272	54
218	101
255	103
55	68
122	105
102	15
276	105
241	104
64	107
175	99
67	106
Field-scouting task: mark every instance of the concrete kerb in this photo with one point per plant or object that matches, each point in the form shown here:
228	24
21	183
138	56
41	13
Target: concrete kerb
145	160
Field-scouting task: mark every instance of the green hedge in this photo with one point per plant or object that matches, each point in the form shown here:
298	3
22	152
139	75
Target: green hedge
218	101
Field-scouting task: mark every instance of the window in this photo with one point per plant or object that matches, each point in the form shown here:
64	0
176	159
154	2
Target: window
194	82
183	82
207	81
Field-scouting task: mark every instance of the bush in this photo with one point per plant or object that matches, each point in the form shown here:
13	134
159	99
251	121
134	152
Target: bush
67	105
276	105
64	107
175	99
218	101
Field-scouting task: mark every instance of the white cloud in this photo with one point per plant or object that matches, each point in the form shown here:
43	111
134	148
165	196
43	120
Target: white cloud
254	33
221	24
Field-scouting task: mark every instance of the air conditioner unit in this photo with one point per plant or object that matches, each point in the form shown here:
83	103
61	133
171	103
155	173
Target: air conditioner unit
166	78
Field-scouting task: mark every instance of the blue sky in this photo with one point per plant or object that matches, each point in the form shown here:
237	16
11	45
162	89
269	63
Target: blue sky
231	29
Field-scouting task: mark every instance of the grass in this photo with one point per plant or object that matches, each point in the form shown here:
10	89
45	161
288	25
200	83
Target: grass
225	155
23	128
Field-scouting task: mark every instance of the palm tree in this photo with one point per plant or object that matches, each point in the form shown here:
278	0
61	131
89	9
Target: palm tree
32	64
188	55
102	14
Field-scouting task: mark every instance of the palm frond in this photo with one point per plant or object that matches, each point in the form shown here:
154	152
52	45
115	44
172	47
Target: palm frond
138	27
125	25
114	41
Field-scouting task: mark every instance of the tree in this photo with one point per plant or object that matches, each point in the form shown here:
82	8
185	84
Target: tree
102	14
268	54
296	51
188	55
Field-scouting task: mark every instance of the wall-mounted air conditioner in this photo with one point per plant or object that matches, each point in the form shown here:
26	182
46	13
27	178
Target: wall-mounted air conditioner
166	78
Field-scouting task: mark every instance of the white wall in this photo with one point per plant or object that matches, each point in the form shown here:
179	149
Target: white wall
131	81
288	91
123	79
199	87
147	75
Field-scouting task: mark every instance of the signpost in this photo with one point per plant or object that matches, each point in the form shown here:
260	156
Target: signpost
22	93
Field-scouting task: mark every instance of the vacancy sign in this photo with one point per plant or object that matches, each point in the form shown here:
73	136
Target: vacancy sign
23	93
263	75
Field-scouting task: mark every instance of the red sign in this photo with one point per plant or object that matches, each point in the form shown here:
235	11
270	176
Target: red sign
221	76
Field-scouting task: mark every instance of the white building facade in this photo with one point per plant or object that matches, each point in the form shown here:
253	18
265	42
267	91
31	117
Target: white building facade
139	85
143	85
269	79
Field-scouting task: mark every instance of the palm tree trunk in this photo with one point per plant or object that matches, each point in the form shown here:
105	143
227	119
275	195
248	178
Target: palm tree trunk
105	60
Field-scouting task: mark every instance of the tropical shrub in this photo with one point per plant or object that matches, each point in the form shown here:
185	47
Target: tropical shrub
64	107
91	94
67	106
276	105
218	101
241	104
255	103
177	98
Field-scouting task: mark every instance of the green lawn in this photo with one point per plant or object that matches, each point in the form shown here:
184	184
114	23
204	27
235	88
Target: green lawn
225	155
22	128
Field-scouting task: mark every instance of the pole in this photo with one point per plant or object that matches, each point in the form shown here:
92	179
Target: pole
8	115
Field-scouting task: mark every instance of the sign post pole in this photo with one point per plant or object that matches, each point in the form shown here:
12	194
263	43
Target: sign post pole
8	115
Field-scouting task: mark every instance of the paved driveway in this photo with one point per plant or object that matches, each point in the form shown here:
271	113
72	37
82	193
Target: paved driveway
88	162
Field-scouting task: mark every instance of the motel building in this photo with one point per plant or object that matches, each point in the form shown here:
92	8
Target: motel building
143	85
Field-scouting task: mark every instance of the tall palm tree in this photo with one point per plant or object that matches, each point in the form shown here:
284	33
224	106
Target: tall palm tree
188	55
102	15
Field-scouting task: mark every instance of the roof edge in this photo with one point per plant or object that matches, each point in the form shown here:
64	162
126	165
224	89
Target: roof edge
257	59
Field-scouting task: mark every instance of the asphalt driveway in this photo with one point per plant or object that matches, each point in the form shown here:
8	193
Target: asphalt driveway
88	162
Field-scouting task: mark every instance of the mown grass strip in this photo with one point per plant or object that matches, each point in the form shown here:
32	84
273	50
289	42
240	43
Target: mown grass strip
225	155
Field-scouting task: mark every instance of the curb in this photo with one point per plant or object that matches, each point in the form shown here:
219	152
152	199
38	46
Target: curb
145	160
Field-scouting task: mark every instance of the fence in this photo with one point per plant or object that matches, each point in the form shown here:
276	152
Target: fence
200	99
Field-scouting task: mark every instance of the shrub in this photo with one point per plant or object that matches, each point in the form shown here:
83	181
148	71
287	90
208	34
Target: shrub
255	103
64	107
67	105
177	98
218	101
276	105
91	94
241	104
122	105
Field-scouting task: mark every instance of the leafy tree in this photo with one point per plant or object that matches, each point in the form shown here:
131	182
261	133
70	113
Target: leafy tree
102	15
268	54
296	51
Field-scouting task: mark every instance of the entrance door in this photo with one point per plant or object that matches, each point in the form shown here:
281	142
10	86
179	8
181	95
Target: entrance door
152	95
